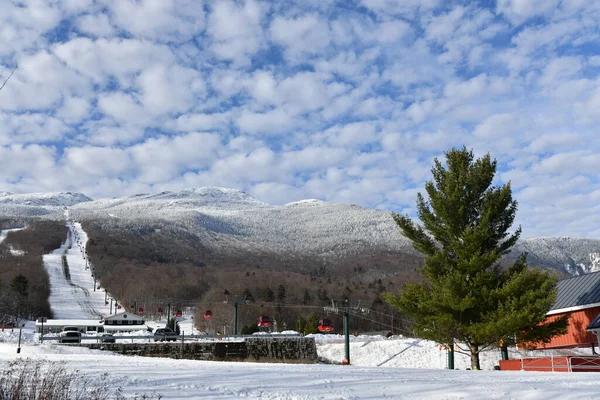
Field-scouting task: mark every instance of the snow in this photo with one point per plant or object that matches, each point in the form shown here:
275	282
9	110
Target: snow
61	199
73	296
187	379
230	219
3	235
394	368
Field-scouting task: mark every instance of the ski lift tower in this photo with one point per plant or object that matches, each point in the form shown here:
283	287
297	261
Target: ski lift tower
345	306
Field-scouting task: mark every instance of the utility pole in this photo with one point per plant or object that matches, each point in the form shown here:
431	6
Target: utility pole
235	317
451	354
346	337
346	308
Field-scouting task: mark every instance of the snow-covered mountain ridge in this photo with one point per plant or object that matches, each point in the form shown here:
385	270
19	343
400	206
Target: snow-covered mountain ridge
231	220
62	199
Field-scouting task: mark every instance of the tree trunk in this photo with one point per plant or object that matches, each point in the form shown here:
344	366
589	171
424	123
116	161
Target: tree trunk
474	357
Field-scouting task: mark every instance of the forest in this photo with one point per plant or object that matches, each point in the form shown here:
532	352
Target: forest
166	267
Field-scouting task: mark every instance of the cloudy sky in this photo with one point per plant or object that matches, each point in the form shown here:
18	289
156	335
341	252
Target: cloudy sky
344	101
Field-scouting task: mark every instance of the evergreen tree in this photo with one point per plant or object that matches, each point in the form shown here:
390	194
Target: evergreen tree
281	294
300	324
306	299
248	296
268	294
467	296
20	285
312	321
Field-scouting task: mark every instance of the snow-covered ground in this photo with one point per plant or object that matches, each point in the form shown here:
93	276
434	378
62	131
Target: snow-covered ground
72	294
395	368
185	379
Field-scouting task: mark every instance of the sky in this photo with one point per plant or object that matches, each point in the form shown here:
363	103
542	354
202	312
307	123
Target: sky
344	101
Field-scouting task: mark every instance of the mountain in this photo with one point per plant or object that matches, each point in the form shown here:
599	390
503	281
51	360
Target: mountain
63	199
571	256
222	226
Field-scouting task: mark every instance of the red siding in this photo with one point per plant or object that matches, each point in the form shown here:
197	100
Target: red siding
576	334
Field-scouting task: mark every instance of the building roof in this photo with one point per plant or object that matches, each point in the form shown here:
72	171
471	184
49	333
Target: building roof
577	293
70	322
594	325
124	316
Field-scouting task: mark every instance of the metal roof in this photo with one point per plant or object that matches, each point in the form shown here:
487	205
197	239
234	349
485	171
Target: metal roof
595	324
578	291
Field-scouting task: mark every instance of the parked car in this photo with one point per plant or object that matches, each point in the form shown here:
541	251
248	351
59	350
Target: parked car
70	334
164	334
107	338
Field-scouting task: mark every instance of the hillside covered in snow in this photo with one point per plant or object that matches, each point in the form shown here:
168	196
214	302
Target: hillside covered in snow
220	219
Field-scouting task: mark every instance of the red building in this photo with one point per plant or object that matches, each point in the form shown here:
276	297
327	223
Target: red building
578	296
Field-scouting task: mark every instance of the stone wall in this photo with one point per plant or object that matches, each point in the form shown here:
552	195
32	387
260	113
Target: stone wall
259	349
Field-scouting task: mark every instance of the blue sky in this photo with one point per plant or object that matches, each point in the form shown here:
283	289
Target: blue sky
344	101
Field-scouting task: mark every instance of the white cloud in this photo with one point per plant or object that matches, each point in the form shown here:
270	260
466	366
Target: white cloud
123	108
73	109
274	122
170	89
236	31
164	21
30	128
97	162
103	59
302	36
560	69
96	25
312	99
33	163
163	158
520	10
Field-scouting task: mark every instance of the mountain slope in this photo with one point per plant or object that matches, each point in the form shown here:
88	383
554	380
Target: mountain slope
228	226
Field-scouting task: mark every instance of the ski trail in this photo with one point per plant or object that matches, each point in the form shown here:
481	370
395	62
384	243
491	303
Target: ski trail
72	292
4	232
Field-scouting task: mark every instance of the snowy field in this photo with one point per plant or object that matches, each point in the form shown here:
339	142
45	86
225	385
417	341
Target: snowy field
186	379
395	368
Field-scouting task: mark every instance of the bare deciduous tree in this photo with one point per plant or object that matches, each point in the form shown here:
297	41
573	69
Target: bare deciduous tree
6	80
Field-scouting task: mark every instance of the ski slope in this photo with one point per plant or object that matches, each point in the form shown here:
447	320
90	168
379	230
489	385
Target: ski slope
72	294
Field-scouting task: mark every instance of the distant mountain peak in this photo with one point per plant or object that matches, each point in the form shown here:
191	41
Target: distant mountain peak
306	203
210	194
58	199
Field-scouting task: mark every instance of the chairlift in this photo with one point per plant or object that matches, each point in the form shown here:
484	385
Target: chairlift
265	321
325	326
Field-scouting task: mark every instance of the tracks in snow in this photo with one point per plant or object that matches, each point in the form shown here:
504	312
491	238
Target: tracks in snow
71	280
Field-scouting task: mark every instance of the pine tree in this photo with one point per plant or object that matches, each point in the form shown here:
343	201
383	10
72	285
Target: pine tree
467	296
312	321
306	299
20	285
281	294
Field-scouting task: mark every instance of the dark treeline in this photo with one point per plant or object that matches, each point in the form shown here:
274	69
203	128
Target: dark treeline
162	267
154	267
24	283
